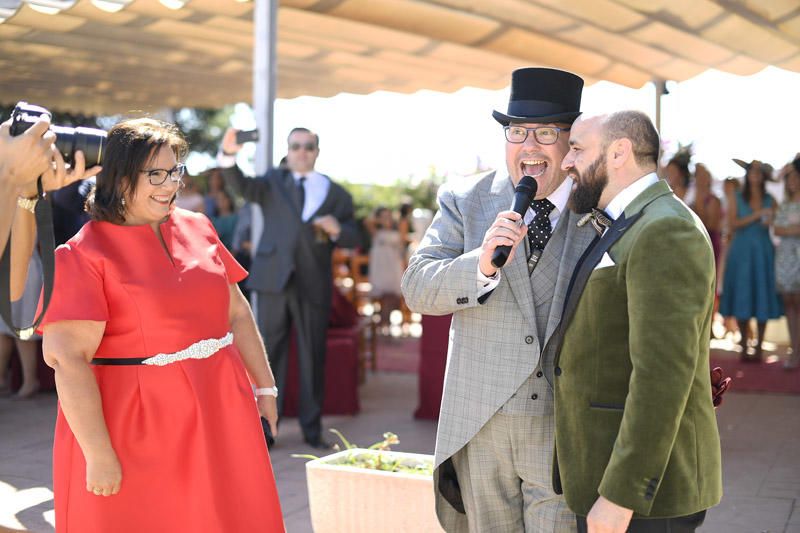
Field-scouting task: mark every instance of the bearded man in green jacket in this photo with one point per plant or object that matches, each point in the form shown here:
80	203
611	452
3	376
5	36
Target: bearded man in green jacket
637	444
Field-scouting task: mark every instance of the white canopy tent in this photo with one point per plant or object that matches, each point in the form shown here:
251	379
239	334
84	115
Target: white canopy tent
123	56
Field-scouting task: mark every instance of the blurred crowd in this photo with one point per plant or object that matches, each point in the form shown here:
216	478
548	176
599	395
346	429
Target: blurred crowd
756	240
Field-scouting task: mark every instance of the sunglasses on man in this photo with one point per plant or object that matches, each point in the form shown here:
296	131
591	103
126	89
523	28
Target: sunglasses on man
308	147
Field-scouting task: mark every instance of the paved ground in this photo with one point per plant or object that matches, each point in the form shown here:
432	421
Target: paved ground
760	435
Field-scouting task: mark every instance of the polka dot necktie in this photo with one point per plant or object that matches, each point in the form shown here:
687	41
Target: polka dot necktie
540	228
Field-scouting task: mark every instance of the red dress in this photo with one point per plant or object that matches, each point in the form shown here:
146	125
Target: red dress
187	434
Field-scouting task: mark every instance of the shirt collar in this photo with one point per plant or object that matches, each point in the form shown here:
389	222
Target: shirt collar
308	175
560	196
618	204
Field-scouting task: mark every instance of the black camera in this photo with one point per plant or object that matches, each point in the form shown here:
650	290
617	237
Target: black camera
90	141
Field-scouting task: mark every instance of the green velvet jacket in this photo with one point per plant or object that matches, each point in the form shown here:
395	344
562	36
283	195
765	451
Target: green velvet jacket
635	421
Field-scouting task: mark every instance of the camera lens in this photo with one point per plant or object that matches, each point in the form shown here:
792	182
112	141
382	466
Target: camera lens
90	141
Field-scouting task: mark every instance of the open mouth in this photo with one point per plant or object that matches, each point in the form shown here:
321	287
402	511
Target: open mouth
163	199
533	167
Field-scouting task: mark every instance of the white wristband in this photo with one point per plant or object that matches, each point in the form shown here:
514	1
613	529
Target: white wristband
267	391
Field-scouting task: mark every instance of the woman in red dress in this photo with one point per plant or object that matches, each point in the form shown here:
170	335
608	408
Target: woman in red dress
152	344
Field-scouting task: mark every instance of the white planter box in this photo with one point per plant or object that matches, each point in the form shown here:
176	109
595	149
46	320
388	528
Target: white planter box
349	499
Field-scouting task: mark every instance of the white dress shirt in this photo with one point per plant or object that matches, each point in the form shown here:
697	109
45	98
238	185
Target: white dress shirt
559	199
618	204
317	187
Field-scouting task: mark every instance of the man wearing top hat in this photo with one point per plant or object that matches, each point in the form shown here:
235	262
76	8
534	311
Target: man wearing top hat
494	449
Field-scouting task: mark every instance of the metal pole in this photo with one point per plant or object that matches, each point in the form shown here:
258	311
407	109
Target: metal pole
660	86
264	79
264	90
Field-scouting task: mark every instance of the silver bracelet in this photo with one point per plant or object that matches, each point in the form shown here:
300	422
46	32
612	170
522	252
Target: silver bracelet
267	391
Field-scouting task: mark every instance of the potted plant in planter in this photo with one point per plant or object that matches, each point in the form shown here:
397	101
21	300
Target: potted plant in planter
371	489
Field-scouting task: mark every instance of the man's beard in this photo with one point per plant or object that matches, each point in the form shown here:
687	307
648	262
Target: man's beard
589	185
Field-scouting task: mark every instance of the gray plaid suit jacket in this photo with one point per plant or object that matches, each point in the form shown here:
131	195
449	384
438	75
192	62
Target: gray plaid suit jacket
495	346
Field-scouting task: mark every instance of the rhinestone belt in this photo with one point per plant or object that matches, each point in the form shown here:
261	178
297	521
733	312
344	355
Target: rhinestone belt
199	350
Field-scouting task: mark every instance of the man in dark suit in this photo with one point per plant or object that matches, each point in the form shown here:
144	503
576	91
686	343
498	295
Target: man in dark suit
637	445
306	214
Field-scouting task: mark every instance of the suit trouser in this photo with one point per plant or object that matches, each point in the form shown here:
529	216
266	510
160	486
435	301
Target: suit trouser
681	524
277	313
505	477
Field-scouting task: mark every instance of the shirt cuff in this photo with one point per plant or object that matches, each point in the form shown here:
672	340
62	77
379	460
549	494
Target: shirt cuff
225	161
487	284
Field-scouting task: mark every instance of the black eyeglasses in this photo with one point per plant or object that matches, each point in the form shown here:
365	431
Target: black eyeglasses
308	147
157	176
542	134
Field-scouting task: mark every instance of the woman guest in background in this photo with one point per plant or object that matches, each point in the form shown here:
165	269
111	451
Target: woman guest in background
678	175
697	194
225	219
216	184
190	198
749	284
708	207
23	311
787	256
386	263
152	344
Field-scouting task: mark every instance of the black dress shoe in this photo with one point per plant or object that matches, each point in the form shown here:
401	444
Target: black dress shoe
319	443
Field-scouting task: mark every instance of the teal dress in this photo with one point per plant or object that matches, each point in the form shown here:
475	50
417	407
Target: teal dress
225	226
748	290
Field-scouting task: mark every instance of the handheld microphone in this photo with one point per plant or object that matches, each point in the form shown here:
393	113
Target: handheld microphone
523	196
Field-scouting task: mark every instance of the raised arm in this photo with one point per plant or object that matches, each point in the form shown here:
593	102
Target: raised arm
23	234
441	273
251	189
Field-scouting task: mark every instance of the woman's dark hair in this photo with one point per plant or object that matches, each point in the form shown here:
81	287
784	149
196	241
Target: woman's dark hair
681	160
377	213
215	175
131	145
793	169
765	175
224	193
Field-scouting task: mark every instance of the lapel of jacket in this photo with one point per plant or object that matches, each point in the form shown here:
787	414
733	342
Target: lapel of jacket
574	244
632	213
285	184
515	272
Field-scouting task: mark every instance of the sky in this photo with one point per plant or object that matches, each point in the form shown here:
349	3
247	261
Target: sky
382	137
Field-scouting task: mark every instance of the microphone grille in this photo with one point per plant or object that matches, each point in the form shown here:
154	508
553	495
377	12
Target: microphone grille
527	185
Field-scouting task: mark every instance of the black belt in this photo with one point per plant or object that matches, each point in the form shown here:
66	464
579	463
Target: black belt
119	361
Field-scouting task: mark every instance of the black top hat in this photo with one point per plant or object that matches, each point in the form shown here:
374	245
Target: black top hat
542	95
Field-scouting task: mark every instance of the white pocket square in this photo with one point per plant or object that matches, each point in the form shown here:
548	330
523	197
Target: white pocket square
605	262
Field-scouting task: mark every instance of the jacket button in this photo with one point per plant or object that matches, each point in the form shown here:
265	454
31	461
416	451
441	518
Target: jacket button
539	374
534	396
528	340
557	371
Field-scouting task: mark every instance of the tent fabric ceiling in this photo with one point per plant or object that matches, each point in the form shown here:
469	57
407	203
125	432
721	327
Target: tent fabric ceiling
117	56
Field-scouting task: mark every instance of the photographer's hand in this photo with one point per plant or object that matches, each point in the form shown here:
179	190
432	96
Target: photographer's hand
25	157
59	174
